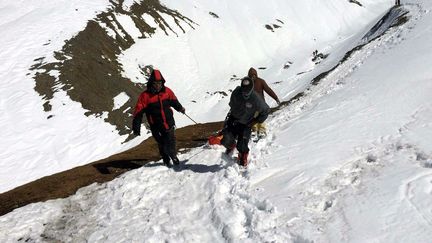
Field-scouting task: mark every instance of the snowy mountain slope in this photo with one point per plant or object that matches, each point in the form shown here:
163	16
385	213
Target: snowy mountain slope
217	207
239	40
42	143
350	161
75	72
33	146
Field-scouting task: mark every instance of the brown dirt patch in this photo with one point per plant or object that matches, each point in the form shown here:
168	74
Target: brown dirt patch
66	183
88	63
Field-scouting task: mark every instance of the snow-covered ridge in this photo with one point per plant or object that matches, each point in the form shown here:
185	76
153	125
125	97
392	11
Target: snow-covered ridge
207	78
348	162
201	60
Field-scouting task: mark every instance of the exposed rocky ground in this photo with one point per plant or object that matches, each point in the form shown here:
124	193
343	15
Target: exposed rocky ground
66	183
88	67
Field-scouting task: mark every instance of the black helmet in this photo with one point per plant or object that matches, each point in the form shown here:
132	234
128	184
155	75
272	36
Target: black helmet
247	87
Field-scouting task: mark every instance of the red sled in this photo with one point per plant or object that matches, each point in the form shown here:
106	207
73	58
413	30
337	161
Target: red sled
215	139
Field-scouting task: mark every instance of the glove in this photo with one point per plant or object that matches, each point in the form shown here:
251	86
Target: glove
136	127
278	102
183	110
136	133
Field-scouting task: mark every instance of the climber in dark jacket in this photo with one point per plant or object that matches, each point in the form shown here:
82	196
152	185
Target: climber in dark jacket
156	103
247	109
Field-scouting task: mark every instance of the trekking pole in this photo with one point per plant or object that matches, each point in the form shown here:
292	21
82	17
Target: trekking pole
190	118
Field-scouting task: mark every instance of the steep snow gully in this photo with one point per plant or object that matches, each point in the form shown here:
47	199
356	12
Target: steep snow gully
227	209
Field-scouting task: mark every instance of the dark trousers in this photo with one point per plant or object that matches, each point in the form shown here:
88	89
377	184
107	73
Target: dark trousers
166	142
235	132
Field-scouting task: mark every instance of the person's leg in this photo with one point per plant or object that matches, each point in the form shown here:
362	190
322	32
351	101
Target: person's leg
170	144
228	138
244	134
159	137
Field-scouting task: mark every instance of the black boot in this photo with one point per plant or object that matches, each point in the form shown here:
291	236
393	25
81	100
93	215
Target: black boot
176	161
166	162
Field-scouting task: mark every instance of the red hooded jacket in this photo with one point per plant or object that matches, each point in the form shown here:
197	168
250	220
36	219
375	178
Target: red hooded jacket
156	105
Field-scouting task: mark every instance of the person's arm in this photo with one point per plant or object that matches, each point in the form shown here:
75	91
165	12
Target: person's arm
232	99
270	92
263	110
230	120
173	101
140	108
136	123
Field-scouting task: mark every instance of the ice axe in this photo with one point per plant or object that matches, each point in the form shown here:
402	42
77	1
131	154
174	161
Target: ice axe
190	118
